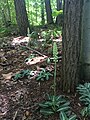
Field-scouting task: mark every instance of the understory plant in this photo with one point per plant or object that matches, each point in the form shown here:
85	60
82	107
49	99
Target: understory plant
33	35
54	104
32	38
84	91
43	75
63	116
21	74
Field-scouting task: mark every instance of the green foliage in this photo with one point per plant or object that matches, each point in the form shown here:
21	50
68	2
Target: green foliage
54	104
56	34
43	75
22	74
33	35
33	8
8	31
63	116
84	91
48	60
47	35
56	13
85	111
17	76
4	32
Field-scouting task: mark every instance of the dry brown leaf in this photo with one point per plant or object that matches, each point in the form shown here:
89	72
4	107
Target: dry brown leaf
36	60
7	76
1	53
3	104
20	39
3	59
1	68
50	68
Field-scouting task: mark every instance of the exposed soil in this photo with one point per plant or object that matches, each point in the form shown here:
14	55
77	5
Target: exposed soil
19	99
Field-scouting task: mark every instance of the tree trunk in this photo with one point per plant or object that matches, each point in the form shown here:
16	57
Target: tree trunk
71	44
59	7
86	41
21	16
42	12
48	11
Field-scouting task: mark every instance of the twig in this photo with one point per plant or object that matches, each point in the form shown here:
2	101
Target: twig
38	52
58	58
33	50
15	115
5	64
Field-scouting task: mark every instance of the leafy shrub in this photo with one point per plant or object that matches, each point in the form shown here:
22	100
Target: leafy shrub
43	75
84	91
54	104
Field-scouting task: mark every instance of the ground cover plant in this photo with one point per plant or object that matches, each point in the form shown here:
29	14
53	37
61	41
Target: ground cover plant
54	104
43	75
84	91
22	74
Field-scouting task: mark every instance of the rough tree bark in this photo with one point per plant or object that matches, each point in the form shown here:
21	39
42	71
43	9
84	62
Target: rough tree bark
71	44
86	42
48	11
21	16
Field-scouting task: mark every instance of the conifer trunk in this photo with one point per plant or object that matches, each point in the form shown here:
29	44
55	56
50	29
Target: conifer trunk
71	44
48	11
21	16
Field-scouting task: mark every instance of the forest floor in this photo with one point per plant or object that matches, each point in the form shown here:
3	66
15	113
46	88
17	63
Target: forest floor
19	98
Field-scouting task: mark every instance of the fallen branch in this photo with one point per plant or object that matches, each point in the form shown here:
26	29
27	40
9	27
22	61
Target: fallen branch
33	50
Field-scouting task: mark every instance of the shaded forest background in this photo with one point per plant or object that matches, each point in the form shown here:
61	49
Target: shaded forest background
37	12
